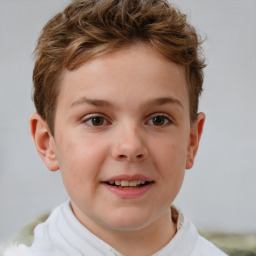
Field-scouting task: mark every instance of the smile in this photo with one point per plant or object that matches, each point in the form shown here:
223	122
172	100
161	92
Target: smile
129	187
126	184
129	192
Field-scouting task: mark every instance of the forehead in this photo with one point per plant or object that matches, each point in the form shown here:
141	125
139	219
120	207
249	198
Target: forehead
138	70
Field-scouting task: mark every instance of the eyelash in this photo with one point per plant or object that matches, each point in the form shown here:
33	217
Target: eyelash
167	120
90	120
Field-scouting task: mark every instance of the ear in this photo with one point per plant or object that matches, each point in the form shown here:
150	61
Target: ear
195	136
44	141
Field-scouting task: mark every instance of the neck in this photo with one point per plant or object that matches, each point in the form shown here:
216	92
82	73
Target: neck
145	241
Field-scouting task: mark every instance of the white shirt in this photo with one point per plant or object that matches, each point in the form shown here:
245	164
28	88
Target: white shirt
63	235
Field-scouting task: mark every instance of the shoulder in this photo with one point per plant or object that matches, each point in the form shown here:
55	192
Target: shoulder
204	247
17	250
42	250
25	244
190	241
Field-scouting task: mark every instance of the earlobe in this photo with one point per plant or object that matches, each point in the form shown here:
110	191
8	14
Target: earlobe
44	141
195	136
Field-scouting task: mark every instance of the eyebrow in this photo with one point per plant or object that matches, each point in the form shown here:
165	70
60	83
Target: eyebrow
163	101
104	103
93	102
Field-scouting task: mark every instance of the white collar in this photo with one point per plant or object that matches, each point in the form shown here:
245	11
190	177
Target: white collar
67	234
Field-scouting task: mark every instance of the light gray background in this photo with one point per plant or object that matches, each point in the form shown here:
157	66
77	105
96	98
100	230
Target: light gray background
218	193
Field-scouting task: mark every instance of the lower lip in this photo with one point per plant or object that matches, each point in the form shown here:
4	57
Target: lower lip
129	193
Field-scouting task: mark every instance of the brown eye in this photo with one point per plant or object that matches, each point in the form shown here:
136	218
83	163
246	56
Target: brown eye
95	121
159	120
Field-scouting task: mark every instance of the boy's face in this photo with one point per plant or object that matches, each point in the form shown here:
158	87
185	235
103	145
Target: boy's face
123	138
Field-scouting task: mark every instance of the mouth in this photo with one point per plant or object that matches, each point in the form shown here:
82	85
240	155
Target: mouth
128	184
129	187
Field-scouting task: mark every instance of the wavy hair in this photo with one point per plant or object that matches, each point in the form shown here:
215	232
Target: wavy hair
90	28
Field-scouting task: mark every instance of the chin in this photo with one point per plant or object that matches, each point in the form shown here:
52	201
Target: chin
128	221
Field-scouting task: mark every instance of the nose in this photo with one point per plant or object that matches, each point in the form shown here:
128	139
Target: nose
129	146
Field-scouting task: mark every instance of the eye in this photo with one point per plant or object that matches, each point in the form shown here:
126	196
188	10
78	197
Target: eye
159	120
95	121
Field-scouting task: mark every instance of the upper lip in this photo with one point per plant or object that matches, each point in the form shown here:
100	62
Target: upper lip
129	178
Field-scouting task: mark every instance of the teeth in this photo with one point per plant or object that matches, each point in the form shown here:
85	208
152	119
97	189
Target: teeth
133	183
118	182
126	183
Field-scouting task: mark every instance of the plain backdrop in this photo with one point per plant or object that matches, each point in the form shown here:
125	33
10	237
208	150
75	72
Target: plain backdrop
219	193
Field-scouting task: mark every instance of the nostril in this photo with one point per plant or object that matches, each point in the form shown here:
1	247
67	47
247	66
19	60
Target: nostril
131	157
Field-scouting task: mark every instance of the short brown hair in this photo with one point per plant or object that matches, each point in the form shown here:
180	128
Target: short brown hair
90	28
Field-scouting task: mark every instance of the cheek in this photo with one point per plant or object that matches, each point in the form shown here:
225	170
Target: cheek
170	161
173	167
170	156
80	162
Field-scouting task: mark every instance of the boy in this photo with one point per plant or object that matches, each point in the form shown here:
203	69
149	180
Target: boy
116	88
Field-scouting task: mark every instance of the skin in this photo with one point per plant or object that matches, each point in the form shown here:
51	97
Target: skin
142	127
